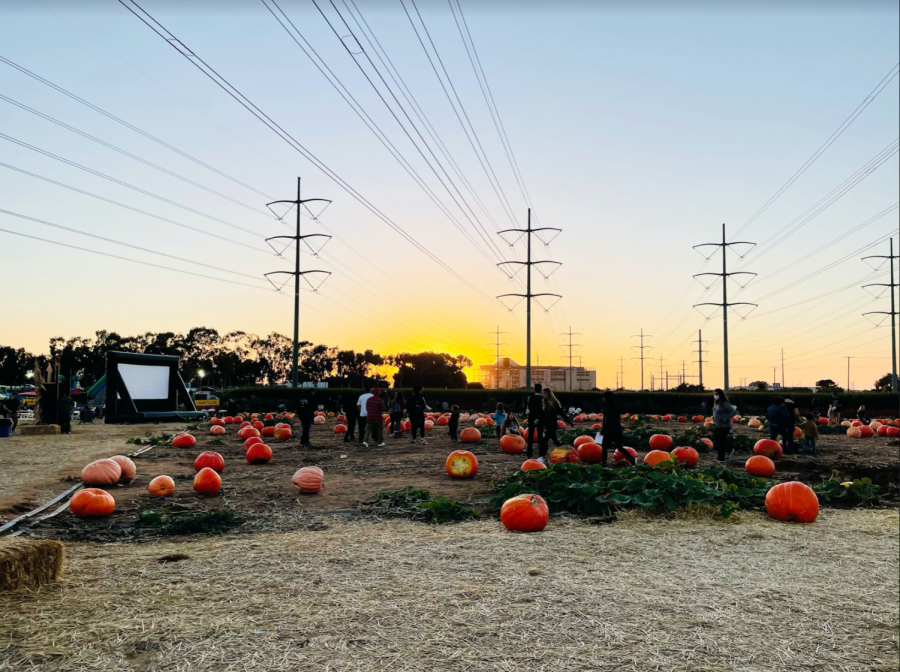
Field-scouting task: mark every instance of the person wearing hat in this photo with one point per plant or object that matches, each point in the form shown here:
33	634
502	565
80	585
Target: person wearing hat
374	421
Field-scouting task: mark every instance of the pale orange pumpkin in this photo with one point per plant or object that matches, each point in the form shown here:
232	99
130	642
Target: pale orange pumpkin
126	465
309	480
101	472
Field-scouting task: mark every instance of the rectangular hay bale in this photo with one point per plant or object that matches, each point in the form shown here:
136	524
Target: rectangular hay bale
37	430
25	562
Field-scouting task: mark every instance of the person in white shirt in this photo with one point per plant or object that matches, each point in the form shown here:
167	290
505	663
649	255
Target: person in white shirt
361	412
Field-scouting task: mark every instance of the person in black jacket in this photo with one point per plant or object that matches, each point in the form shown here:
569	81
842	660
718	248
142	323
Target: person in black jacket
552	411
453	424
611	429
534	407
789	446
352	419
416	407
305	414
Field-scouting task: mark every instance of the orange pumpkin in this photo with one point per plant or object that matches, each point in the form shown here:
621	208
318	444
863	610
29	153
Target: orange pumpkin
207	482
512	444
563	454
707	442
461	463
101	472
697	418
661	442
228	420
866	432
282	433
657	458
161	486
893	432
769	448
249	442
341	429
245	423
468	435
319	420
528	465
216	421
619	456
217	430
259	453
590	453
268	432
682	418
534	434
92	503
792	501
760	465
211	460
309	480
596	426
685	455
127	466
582	439
443	420
184	441
247	432
525	513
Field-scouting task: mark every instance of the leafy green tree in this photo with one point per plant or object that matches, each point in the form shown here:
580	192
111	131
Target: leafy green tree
14	364
826	385
430	369
760	385
883	384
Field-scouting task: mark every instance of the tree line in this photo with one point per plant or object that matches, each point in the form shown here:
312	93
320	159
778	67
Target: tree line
237	359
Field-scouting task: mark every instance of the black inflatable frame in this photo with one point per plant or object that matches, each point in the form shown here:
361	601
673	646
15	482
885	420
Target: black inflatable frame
122	408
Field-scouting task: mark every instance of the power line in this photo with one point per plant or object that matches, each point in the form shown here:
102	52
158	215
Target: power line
245	102
893	312
134	128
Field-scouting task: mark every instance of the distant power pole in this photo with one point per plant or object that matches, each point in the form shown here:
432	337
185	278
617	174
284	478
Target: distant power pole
893	314
699	361
660	372
782	368
683	376
528	232
725	305
848	369
497	344
296	272
621	373
642	347
570	333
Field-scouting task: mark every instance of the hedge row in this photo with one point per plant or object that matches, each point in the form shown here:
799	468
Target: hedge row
257	399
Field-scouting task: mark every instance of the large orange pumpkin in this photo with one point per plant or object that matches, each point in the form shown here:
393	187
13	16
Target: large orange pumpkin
249	442
92	503
661	442
184	441
512	444
619	456
282	433
525	513
247	432
760	465
259	453
309	480
161	486
268	432
461	464
126	465
341	429
590	453
534	434
101	472
866	432
582	439
707	442
697	418
686	456
657	457
792	501
563	454
893	432
217	430
216	421
769	448
210	459
882	430
207	482
257	425
468	435
528	465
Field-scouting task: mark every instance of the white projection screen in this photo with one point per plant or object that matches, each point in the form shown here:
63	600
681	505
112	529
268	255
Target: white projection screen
146	382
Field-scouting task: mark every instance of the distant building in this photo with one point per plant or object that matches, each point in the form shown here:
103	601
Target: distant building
510	376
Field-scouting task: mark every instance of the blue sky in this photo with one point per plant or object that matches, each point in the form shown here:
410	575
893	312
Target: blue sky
637	129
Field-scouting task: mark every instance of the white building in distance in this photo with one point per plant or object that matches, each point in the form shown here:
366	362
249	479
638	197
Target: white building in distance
506	374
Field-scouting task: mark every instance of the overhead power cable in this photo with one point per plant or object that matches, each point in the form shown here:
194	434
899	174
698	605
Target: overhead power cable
134	128
245	102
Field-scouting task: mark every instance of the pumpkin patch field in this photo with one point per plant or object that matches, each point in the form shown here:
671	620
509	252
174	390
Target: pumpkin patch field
241	552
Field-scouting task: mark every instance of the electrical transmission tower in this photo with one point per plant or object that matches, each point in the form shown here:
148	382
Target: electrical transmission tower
642	347
621	373
725	304
497	333
528	295
893	312
570	345
297	273
699	359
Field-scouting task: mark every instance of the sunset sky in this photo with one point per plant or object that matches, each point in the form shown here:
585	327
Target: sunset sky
637	130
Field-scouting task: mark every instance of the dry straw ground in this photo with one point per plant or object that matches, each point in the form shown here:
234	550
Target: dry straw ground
688	593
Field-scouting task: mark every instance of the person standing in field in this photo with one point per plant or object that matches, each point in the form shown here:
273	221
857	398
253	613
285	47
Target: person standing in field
416	407
66	406
362	413
374	421
396	411
534	409
723	412
836	405
552	412
787	440
9	408
499	417
611	429
352	415
777	418
305	414
810	436
453	423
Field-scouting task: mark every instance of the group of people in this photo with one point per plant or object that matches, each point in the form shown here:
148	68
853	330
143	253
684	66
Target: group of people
364	419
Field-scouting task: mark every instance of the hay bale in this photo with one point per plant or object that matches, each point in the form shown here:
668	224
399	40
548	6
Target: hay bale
37	430
25	563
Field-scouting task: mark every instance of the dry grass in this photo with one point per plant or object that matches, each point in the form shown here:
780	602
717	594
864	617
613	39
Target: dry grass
26	563
641	594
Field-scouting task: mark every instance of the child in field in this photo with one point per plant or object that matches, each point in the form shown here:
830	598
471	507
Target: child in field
453	425
510	425
810	436
499	417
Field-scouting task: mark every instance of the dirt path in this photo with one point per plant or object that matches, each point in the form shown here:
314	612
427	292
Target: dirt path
689	594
